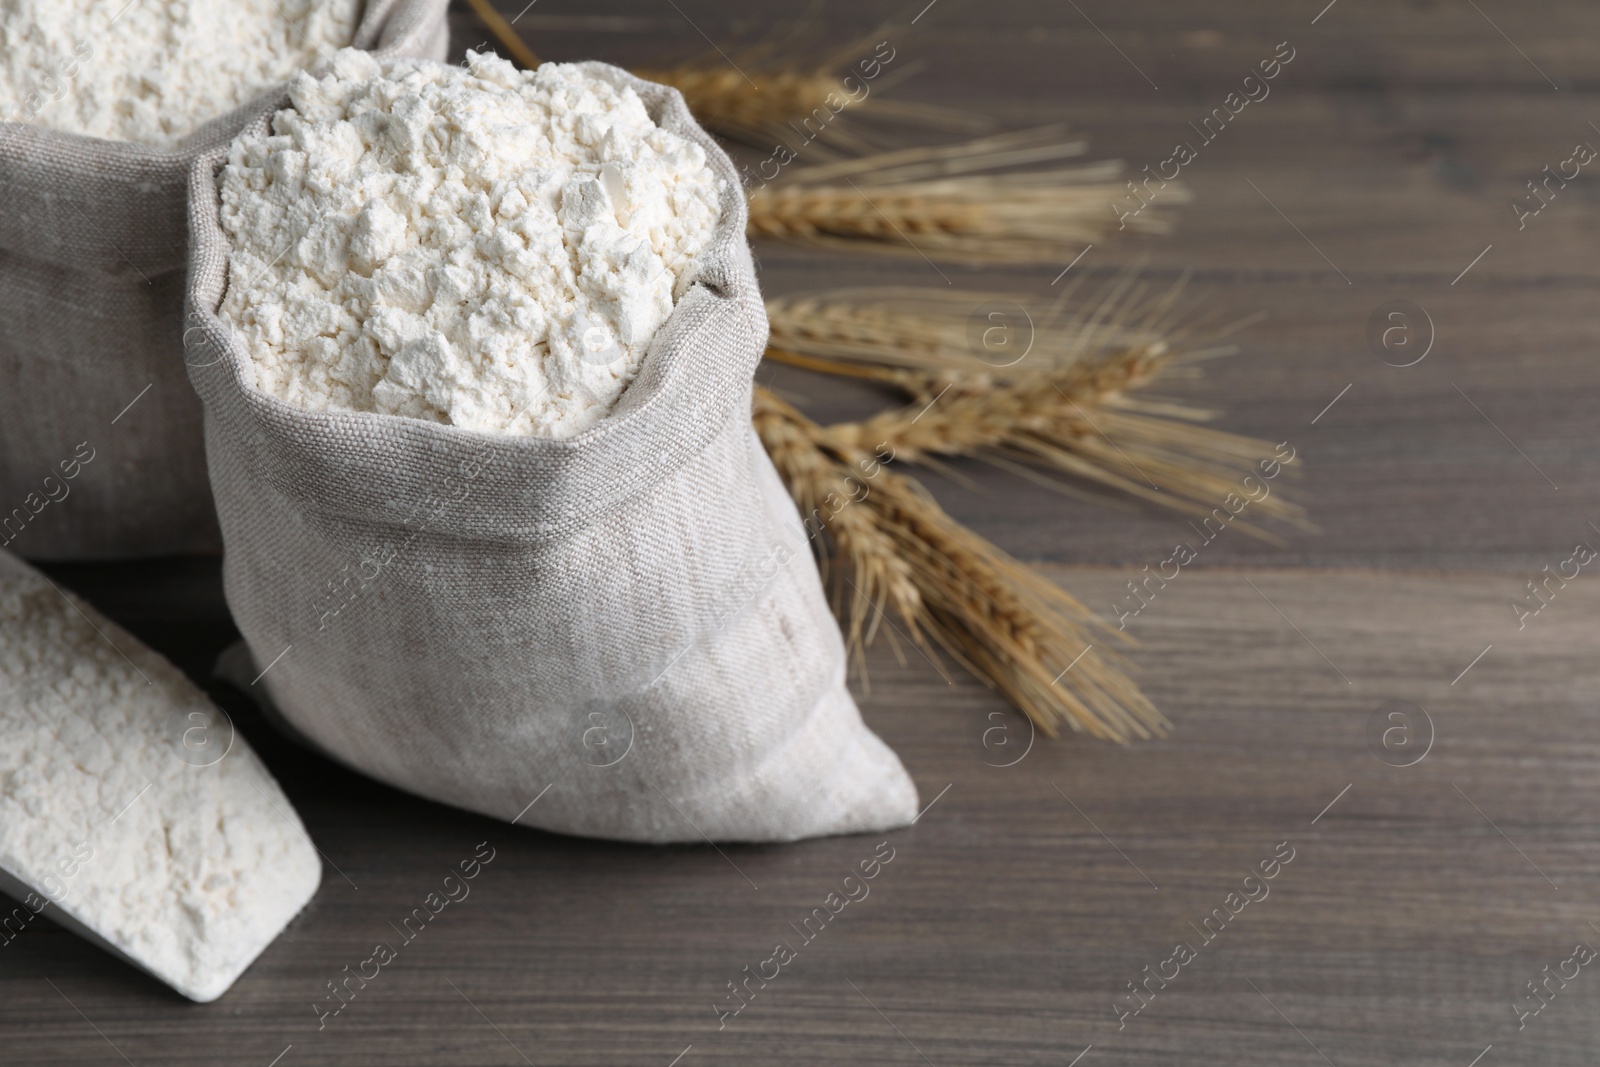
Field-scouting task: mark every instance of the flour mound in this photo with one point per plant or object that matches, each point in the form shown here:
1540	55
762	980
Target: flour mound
153	71
479	246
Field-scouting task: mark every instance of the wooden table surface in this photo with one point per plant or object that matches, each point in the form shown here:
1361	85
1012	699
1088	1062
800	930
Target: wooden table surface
1420	900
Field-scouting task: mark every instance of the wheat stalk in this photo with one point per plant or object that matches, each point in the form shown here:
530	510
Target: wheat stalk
897	552
985	333
1068	423
953	202
1062	405
824	488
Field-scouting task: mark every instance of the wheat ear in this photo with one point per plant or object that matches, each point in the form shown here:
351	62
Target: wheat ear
957	202
895	552
1063	404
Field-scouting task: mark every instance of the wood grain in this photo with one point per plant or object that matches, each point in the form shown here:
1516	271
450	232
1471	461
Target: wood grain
1418	904
1007	922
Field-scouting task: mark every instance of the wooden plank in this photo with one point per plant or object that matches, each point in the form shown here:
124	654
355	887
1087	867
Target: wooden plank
1024	48
1005	926
1408	923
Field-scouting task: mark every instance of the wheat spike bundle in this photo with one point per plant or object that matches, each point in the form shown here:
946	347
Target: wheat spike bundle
960	202
1063	404
896	552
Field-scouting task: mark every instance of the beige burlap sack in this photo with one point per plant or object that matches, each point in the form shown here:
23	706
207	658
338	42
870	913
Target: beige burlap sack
626	626
93	250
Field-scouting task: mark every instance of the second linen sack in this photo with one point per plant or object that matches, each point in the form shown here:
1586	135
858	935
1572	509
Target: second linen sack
104	107
478	347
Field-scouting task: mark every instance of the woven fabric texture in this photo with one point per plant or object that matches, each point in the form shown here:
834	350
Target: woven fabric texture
626	625
93	253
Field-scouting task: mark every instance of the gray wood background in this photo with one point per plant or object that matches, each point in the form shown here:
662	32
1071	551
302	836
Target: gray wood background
1421	899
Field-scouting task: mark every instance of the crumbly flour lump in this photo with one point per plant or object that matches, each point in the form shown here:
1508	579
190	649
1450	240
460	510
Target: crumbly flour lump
478	246
129	812
153	71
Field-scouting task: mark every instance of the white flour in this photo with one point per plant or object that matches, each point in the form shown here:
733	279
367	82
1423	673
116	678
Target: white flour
127	802
485	247
152	71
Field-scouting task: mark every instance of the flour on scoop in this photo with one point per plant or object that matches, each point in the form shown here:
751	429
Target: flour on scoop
127	803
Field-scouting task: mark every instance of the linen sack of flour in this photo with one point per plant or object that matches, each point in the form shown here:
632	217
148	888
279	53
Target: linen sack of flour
93	253
616	634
